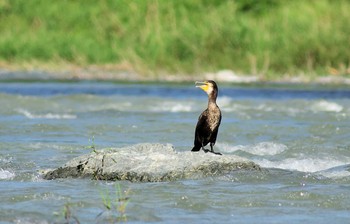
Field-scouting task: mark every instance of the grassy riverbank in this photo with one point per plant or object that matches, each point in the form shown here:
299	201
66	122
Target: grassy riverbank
268	37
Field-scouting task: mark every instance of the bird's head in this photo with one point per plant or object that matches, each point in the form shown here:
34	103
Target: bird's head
208	86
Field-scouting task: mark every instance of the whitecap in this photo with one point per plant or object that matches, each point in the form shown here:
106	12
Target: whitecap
180	108
326	106
46	116
173	107
237	108
6	159
224	101
265	108
6	175
336	172
303	165
120	106
261	149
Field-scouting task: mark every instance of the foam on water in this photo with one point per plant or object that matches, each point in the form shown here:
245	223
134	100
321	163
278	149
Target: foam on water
265	155
261	149
326	106
336	172
6	175
294	108
303	165
224	101
173	106
46	116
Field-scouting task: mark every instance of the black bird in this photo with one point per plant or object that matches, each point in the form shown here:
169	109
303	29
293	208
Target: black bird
209	121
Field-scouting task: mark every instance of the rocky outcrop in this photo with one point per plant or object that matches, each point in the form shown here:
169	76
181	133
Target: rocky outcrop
149	163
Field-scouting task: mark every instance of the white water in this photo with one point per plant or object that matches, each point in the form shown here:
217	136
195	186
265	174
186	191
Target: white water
6	174
45	116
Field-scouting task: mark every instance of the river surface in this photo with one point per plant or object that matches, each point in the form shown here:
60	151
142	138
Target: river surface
300	134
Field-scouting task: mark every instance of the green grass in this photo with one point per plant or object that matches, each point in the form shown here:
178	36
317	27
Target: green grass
114	207
116	204
269	37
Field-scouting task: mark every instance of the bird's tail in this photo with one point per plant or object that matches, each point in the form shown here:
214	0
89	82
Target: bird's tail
196	148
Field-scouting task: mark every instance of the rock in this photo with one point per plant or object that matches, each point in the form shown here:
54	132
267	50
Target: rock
149	163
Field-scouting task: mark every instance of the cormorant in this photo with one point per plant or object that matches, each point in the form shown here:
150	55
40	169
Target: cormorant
209	121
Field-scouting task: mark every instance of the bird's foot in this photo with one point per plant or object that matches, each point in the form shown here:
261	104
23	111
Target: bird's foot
216	153
206	150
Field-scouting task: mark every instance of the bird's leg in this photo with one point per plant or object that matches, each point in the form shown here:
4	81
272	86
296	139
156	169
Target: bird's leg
204	149
211	147
212	150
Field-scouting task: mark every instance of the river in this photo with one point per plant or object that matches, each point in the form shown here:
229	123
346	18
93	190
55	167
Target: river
300	135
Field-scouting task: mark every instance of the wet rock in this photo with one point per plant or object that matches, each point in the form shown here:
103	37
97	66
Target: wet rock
149	163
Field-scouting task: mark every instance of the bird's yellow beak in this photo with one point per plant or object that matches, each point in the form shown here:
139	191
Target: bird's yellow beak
203	85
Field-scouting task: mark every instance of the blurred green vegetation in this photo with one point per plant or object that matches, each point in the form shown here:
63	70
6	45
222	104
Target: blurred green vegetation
269	37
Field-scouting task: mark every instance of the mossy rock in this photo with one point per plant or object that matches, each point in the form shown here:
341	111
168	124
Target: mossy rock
150	163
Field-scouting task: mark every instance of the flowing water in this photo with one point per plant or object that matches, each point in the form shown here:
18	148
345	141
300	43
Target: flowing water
301	135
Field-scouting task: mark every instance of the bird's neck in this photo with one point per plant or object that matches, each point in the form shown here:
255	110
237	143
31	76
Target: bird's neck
212	101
